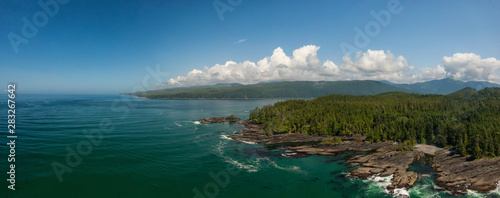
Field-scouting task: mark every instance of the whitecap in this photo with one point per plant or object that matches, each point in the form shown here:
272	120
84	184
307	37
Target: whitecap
381	182
248	142
427	189
472	193
225	137
384	182
497	190
288	154
196	122
401	192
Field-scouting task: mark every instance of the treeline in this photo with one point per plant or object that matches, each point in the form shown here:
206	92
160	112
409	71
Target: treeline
470	124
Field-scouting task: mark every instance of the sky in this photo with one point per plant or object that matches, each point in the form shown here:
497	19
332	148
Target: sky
94	47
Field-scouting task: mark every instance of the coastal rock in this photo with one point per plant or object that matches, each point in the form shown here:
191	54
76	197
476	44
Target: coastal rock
219	119
454	173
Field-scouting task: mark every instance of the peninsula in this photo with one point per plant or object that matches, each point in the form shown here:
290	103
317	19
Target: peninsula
456	134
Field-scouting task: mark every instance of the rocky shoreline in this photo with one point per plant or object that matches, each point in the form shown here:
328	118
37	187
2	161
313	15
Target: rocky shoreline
454	173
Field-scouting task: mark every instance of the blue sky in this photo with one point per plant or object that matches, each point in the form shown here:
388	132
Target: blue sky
105	46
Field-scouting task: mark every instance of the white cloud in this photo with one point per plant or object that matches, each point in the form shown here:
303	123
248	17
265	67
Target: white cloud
470	66
304	65
376	61
432	73
240	41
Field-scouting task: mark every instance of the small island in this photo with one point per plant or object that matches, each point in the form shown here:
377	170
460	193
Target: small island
231	118
456	135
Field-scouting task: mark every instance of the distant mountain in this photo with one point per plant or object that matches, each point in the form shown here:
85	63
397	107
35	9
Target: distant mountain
311	89
464	93
445	86
298	89
471	93
489	92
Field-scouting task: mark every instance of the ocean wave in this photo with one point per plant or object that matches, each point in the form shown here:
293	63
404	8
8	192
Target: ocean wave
288	154
196	122
178	124
380	182
401	192
248	142
225	137
473	193
425	190
495	191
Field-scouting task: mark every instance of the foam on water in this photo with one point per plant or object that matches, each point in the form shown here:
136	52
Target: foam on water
251	166
294	169
196	122
288	154
248	142
401	192
380	182
472	193
496	191
425	190
225	137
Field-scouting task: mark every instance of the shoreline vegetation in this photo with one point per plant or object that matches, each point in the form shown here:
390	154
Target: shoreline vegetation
458	135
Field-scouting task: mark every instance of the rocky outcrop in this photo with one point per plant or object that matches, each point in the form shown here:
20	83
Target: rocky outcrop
219	120
457	174
454	173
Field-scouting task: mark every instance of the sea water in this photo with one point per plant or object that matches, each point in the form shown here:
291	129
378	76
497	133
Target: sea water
157	148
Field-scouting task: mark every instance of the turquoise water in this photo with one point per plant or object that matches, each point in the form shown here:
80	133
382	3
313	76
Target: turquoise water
154	148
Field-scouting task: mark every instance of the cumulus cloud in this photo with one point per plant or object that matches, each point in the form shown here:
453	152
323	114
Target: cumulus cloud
432	73
304	65
469	66
376	61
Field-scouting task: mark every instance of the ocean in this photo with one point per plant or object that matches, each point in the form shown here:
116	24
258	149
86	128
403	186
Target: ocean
120	146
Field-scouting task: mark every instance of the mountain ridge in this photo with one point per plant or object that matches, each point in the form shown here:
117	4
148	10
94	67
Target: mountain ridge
310	89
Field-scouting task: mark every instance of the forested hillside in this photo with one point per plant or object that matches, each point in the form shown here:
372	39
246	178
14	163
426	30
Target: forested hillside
298	89
309	89
466	120
445	86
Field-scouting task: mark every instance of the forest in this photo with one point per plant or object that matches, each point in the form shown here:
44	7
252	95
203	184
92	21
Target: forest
467	120
297	89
